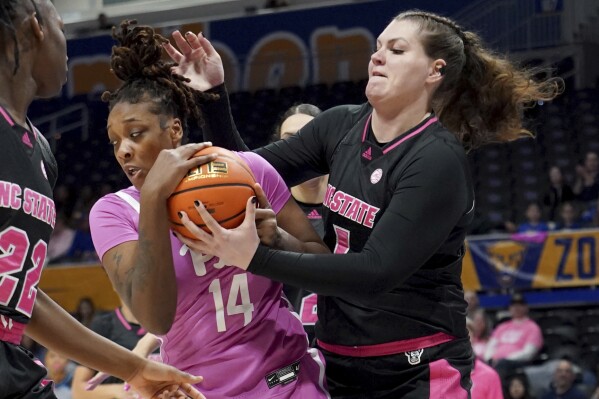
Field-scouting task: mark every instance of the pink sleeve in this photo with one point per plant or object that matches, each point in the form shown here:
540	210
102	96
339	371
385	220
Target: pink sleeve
271	181
112	222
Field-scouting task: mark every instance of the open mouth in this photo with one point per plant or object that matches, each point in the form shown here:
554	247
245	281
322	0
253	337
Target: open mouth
131	171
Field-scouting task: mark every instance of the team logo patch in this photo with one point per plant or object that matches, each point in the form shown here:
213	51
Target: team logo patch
44	170
414	356
375	177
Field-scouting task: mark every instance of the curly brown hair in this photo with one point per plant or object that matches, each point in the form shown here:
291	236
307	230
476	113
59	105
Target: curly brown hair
483	95
137	61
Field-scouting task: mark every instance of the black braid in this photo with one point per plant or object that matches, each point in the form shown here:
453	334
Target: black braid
7	16
8	13
457	29
137	61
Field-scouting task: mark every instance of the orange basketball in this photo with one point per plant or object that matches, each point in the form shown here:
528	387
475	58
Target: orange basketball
223	186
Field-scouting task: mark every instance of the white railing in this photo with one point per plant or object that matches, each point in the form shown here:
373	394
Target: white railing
49	124
513	24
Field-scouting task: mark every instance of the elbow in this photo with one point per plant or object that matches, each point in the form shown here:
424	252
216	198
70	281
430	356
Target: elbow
158	327
157	322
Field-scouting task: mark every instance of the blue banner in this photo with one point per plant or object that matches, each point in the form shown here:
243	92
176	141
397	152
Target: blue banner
532	261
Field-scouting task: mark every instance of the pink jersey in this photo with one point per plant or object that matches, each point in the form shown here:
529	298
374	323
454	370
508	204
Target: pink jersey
231	327
514	335
486	383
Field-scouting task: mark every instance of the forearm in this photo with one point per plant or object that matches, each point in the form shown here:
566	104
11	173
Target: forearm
146	345
219	127
287	242
103	391
54	328
527	353
153	271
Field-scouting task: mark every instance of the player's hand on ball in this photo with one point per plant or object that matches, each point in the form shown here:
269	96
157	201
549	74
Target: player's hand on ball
234	247
170	167
155	380
266	220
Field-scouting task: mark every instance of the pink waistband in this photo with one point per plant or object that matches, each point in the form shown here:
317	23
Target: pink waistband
388	348
10	330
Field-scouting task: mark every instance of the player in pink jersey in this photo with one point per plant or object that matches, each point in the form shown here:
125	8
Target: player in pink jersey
233	326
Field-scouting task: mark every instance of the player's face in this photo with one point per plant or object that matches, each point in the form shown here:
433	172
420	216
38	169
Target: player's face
50	66
293	124
138	136
399	70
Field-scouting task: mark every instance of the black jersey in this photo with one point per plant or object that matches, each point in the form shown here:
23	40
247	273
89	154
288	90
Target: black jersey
398	212
27	214
115	327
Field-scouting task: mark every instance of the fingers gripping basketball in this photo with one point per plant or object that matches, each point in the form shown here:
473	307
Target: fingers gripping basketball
223	186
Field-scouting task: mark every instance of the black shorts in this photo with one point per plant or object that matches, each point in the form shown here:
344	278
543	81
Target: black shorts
20	376
441	371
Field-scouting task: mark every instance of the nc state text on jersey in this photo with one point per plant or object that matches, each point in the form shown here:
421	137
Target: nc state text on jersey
33	203
350	207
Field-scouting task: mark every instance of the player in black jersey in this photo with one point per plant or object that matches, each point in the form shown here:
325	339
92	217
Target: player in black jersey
34	64
391	313
309	196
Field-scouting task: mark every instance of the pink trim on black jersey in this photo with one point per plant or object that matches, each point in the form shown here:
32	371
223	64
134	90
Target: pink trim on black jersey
414	133
10	330
7	117
366	127
409	136
388	348
125	323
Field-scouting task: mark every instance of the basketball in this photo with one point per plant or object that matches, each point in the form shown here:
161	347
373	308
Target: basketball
223	186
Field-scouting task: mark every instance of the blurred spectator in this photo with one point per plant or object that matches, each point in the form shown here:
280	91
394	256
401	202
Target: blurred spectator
481	331
103	22
85	312
534	221
82	249
61	239
486	383
517	387
60	370
568	217
562	384
558	193
471	299
587	181
514	343
63	200
590	216
85	200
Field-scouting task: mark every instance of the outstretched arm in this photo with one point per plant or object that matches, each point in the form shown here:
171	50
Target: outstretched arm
426	206
198	61
54	328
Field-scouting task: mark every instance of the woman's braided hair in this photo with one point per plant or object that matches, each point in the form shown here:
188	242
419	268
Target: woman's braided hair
8	14
137	61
